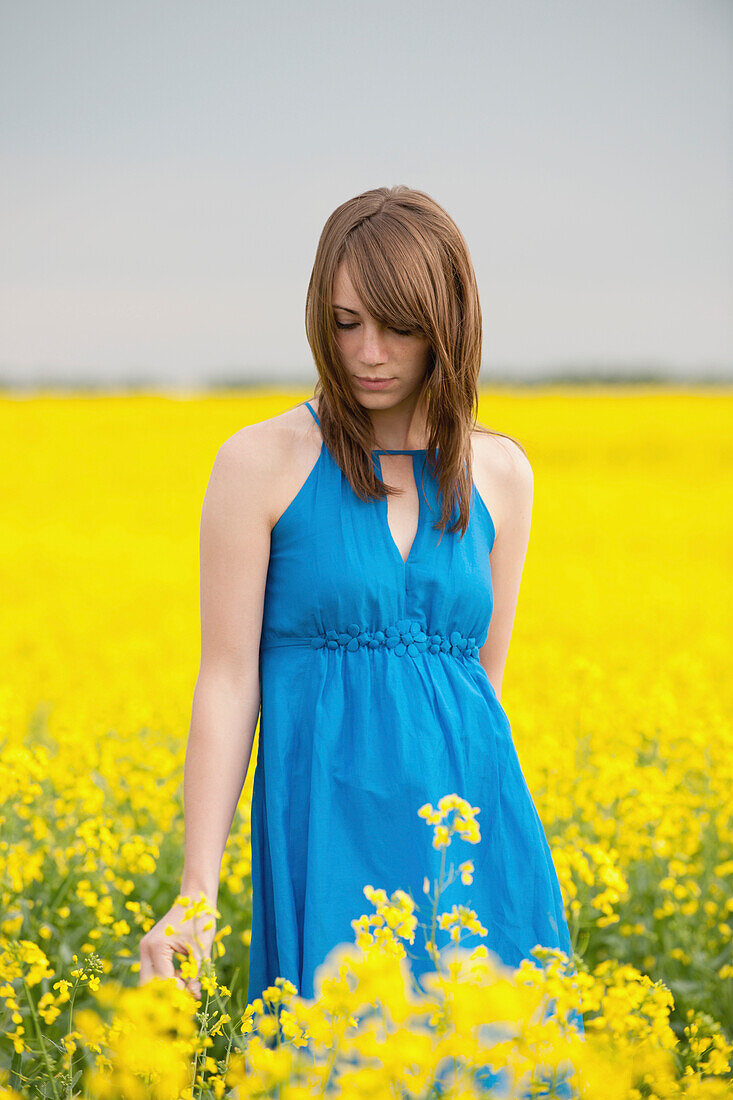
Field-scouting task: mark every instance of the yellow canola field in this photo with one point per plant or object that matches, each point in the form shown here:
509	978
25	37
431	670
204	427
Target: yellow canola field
618	687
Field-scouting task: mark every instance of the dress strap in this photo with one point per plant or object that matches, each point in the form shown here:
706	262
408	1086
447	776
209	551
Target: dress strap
315	414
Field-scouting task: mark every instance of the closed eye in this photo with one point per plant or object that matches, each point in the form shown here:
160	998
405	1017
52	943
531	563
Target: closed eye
399	332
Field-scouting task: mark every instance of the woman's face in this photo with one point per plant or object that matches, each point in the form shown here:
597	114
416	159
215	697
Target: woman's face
398	361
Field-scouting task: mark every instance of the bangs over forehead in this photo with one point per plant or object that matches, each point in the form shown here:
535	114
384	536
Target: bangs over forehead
389	267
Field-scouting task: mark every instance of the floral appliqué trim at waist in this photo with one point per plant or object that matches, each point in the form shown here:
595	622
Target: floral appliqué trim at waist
405	637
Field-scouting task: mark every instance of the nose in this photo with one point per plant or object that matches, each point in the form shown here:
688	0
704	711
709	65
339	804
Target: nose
372	347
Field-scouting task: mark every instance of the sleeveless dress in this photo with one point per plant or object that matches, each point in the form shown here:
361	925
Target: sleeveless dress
374	702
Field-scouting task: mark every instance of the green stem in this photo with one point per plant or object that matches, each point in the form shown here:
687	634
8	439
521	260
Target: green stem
71	1028
44	1052
198	1052
439	888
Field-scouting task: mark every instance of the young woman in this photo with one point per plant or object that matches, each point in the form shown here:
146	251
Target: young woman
361	556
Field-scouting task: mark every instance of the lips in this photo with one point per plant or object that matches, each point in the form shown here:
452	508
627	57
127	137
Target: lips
373	383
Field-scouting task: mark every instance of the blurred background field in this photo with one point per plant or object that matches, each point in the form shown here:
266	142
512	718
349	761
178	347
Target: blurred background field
618	680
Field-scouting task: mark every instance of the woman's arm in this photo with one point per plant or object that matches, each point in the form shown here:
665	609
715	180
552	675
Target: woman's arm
512	488
234	550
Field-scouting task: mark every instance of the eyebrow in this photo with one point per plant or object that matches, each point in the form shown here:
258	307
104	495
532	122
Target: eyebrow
347	310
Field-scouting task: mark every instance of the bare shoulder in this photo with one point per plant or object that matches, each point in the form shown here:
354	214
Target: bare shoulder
503	475
261	462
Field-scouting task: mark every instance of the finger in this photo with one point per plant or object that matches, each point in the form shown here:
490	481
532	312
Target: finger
146	965
157	960
191	982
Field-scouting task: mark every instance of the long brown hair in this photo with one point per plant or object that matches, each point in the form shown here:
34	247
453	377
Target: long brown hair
411	268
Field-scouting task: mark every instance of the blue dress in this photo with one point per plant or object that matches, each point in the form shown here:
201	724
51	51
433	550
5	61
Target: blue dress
374	702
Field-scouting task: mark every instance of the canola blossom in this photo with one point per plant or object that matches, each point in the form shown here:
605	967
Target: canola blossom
618	688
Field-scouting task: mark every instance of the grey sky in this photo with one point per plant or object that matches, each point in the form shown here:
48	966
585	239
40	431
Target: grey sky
166	170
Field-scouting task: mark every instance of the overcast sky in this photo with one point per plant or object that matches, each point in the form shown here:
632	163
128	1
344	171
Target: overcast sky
166	169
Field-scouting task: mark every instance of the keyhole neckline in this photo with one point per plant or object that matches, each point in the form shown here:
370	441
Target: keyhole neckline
383	514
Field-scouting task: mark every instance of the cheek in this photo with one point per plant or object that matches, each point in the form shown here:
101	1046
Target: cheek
419	360
342	343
